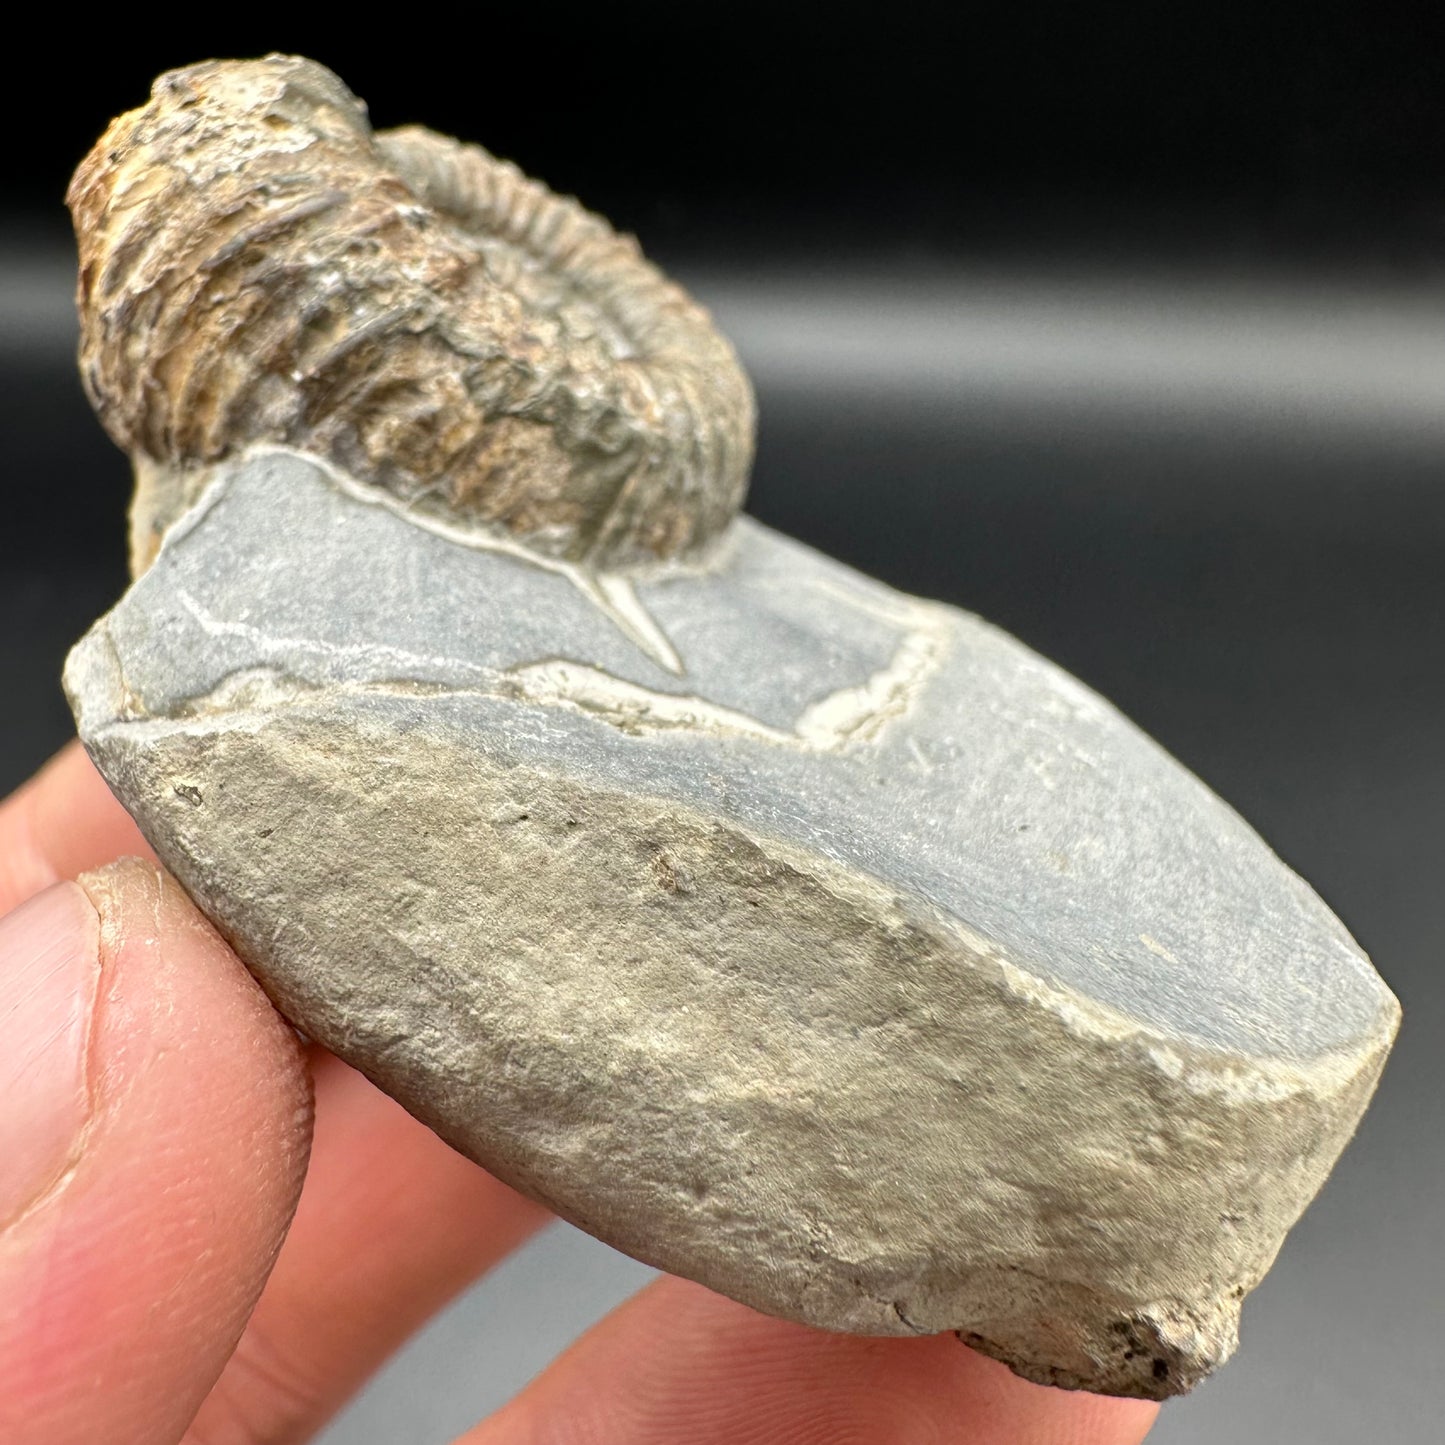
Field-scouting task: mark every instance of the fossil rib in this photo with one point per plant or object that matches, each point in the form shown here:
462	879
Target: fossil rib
256	266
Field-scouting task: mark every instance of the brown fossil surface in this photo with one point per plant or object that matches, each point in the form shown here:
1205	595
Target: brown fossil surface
412	309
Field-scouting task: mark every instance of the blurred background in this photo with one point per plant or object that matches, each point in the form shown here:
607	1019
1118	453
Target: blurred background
1122	325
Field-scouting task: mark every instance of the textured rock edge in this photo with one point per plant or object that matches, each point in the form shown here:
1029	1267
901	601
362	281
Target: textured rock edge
1200	1160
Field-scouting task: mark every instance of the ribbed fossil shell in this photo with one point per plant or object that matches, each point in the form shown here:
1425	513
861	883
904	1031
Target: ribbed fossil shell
257	266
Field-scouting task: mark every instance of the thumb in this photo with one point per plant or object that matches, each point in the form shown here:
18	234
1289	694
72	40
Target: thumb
154	1126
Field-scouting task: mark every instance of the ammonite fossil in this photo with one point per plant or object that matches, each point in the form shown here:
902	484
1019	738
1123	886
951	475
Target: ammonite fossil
819	943
410	308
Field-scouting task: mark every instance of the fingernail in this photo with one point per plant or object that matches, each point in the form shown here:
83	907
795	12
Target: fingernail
49	978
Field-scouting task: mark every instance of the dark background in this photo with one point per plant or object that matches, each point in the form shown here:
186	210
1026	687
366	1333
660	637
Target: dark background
1245	133
1118	324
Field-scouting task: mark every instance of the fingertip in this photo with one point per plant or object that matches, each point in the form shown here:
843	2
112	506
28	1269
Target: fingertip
137	1269
50	957
243	1063
680	1363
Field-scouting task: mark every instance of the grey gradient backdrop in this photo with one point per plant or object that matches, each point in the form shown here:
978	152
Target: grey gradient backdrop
1217	498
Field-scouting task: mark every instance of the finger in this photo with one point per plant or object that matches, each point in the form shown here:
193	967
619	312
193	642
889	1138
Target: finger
154	1117
678	1365
392	1224
63	821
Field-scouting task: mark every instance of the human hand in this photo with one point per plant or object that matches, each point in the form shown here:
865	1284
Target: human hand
156	1117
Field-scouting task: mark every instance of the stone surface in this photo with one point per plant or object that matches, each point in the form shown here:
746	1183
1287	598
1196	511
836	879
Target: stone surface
824	945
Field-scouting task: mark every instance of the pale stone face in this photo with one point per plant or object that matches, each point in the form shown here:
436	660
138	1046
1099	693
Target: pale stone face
821	944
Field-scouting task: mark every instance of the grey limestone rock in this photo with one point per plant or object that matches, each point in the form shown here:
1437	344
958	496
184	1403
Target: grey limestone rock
819	943
816	942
